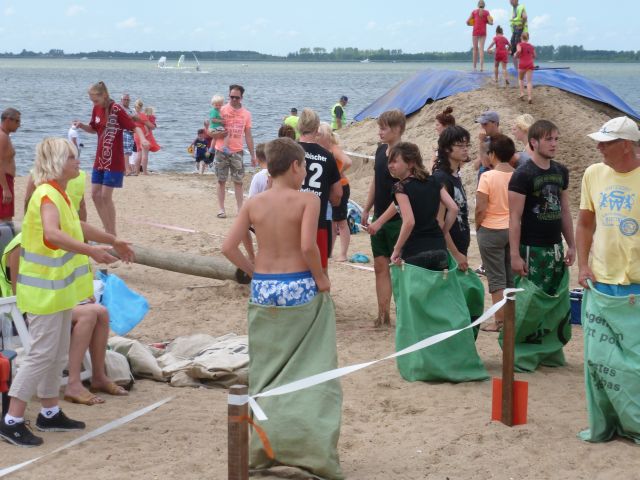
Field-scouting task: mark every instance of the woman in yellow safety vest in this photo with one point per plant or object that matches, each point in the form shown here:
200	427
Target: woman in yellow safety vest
53	276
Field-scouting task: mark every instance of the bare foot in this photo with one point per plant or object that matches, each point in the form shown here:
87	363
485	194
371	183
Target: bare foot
340	259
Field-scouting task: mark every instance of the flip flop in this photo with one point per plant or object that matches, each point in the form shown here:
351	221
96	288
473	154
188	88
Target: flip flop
86	398
221	215
111	389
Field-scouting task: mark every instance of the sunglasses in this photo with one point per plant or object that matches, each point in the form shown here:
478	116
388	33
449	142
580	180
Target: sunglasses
234	97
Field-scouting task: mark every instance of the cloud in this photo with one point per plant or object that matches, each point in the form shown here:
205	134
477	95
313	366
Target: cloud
499	15
9	11
130	22
287	33
74	10
573	25
371	25
450	23
255	27
540	21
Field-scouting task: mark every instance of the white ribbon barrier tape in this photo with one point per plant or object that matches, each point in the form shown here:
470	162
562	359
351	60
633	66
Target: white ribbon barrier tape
360	155
177	229
509	294
88	436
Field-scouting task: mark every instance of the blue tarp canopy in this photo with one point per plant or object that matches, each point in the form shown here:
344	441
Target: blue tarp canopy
413	93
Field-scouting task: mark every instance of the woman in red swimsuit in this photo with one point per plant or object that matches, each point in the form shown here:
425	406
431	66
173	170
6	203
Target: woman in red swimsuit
479	19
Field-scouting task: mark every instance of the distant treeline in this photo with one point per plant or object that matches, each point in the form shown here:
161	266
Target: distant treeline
563	53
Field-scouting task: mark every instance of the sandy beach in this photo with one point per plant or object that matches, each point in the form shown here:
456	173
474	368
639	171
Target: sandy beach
391	429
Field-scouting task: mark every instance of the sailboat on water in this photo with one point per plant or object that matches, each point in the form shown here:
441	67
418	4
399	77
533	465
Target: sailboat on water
162	63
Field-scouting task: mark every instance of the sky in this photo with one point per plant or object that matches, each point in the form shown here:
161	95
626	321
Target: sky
277	27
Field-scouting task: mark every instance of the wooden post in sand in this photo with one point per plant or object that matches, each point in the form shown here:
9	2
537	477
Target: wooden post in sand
508	353
238	433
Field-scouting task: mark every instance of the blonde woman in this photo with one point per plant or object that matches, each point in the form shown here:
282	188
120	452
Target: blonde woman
479	19
145	126
108	121
521	134
328	140
54	274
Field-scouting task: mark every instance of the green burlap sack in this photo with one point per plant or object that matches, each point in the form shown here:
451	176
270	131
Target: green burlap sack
473	291
612	366
427	303
542	325
288	344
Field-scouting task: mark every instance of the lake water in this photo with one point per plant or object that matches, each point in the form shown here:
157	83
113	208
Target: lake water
52	93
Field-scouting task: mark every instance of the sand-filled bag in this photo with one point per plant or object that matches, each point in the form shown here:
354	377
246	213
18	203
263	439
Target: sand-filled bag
542	326
612	365
427	303
288	344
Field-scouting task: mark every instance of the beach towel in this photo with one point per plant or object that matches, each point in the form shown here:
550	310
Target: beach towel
612	366
542	325
430	302
287	344
473	291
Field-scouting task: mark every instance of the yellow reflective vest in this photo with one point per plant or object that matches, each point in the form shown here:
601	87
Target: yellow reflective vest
75	189
517	22
51	280
334	118
5	281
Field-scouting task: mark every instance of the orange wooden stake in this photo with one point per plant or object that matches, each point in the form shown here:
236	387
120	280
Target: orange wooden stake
238	434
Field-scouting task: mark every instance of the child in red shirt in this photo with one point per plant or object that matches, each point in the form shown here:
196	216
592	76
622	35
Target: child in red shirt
501	51
526	53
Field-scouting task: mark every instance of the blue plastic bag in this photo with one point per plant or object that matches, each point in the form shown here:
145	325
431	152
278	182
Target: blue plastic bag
126	307
354	216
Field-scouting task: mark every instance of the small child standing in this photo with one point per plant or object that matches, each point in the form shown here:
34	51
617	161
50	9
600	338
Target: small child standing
501	51
216	122
261	181
201	152
526	53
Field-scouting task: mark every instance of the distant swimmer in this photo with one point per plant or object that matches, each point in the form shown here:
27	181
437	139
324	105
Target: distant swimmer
339	113
518	27
479	19
9	123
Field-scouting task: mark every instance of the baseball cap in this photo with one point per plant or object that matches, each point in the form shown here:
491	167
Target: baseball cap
618	128
488	116
344	98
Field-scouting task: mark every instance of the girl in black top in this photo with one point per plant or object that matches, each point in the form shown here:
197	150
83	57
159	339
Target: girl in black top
422	202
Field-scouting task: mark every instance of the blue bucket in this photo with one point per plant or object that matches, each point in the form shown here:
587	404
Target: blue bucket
575	296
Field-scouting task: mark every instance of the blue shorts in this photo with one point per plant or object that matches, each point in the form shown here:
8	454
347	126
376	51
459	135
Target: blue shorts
283	289
107	178
127	142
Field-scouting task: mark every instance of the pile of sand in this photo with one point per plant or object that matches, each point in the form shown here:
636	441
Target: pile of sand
575	117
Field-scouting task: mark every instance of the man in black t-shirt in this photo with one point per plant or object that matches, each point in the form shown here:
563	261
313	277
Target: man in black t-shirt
391	127
540	214
323	178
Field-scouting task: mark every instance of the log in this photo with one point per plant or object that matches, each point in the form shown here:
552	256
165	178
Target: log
198	265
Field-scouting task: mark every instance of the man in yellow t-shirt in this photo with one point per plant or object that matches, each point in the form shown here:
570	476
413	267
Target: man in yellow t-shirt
609	218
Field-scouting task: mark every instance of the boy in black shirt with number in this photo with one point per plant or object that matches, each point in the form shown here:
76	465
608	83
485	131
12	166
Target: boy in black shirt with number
540	214
323	178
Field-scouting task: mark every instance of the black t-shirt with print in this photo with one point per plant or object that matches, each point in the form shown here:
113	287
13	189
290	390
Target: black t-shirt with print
322	173
460	233
384	182
424	197
541	224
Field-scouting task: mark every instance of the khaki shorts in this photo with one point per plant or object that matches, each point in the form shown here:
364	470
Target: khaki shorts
226	164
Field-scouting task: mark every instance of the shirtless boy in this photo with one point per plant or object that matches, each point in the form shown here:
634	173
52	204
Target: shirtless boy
287	248
9	123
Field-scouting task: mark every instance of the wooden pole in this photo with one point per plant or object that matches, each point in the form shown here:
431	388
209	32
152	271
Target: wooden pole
508	352
238	434
199	265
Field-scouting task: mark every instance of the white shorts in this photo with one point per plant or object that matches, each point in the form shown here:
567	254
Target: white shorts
132	158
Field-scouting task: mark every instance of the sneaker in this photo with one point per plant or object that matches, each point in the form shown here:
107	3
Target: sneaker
480	270
58	423
19	434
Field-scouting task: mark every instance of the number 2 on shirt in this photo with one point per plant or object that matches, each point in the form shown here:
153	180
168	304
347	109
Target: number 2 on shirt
316	168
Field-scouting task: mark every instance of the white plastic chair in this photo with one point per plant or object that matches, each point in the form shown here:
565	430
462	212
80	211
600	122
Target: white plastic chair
8	306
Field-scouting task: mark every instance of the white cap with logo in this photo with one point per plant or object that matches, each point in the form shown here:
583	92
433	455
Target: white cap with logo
620	128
